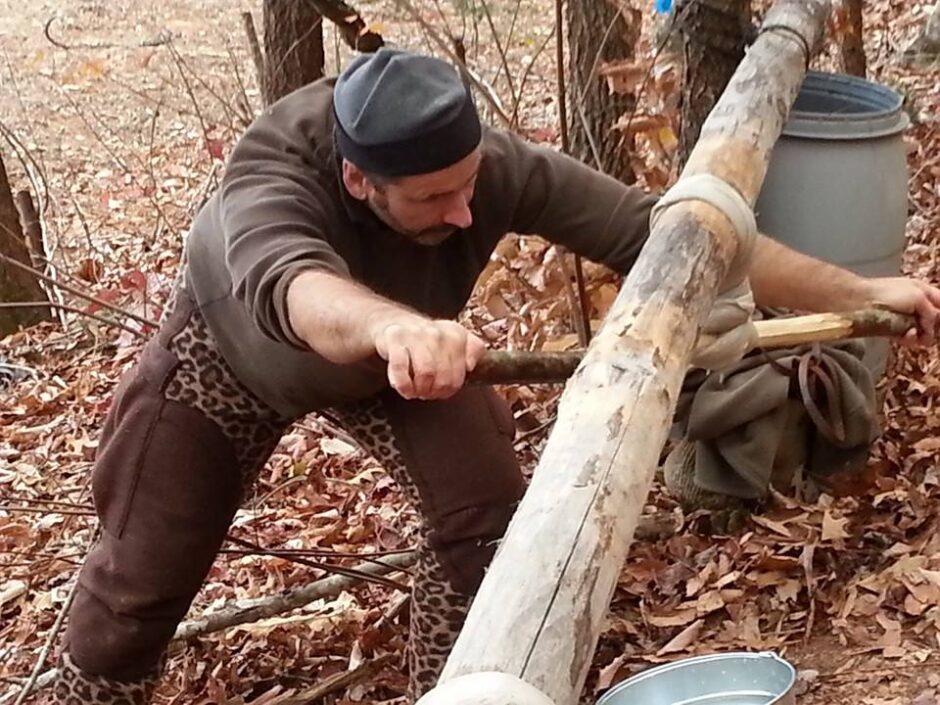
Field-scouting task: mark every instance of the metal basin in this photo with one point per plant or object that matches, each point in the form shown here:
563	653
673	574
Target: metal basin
717	679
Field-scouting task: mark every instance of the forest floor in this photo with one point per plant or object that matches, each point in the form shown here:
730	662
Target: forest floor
119	121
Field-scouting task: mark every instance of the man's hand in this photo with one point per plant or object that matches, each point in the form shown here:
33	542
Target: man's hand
427	359
345	322
904	295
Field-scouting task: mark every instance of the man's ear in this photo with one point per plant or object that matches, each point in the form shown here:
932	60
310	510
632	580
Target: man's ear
355	180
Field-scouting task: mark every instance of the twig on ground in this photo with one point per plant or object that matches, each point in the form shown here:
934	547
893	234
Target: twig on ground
247	611
504	61
398	606
192	97
72	309
47	647
525	77
114	155
77	292
41	510
328	567
338	681
159	40
230	112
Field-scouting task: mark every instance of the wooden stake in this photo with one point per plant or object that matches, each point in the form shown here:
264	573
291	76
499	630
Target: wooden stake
527	367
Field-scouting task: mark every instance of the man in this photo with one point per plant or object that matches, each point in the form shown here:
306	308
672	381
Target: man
324	275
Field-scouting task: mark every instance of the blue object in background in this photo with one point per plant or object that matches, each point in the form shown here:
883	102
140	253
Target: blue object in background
663	7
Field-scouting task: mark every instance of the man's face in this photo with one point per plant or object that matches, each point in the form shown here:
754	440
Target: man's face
427	208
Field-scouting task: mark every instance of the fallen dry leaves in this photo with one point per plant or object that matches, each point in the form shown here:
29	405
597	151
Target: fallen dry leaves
125	162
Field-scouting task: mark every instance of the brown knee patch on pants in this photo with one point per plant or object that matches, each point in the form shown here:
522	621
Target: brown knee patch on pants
166	485
460	457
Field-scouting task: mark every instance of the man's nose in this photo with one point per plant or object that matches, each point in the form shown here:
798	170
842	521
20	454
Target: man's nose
458	212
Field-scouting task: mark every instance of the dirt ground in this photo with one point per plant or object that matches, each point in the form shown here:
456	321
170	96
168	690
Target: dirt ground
124	133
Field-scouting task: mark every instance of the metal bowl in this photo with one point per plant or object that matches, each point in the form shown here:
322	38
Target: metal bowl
719	679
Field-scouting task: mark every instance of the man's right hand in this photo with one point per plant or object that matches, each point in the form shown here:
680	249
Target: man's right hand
427	359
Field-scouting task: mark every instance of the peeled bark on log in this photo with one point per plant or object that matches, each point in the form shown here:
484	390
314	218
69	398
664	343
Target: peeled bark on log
16	284
541	607
538	367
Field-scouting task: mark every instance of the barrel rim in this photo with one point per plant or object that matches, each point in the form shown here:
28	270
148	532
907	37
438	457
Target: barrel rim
886	118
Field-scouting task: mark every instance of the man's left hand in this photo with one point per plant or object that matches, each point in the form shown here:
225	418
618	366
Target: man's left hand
904	295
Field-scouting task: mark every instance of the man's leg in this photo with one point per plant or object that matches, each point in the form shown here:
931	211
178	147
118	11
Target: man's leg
182	440
455	462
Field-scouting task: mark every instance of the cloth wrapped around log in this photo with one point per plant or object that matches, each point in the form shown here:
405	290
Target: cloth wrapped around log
812	406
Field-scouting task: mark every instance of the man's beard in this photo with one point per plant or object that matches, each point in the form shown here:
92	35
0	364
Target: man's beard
428	237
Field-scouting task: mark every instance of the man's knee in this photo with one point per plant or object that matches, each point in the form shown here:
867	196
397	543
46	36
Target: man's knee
118	626
466	540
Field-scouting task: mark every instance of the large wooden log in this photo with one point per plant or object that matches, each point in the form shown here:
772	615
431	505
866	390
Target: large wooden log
540	609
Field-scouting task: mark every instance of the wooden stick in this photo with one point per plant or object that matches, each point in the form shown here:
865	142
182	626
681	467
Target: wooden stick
247	611
533	367
542	604
352	27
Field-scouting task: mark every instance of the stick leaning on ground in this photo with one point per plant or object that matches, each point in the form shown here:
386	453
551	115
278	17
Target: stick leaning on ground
531	367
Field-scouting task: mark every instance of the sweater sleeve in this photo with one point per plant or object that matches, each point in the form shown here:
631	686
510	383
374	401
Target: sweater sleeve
275	216
573	205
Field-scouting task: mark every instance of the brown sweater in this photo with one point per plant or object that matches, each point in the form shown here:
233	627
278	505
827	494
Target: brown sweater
282	208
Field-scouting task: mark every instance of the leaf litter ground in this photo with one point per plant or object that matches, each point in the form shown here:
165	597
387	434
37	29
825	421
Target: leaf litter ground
123	136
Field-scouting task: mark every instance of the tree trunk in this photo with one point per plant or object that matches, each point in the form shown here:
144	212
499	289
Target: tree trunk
544	599
293	47
714	35
599	31
15	283
853	49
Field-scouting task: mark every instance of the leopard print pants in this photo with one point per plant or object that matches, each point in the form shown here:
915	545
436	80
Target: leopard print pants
203	381
437	610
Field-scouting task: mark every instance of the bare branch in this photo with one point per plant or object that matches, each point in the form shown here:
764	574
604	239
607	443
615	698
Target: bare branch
72	309
189	90
432	34
502	52
355	31
244	612
249	24
79	293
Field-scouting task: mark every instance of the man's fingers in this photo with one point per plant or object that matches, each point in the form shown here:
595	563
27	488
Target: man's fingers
424	370
399	370
927	315
474	351
911	339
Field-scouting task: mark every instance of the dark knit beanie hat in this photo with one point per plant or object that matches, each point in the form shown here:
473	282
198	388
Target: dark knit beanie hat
400	114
